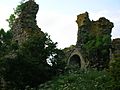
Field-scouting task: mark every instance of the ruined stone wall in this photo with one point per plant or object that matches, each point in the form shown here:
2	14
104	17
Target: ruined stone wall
116	48
83	22
86	26
92	34
26	24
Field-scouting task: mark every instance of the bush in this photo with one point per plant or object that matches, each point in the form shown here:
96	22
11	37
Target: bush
115	72
27	66
80	80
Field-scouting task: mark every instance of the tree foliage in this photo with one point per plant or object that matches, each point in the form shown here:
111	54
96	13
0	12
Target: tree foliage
5	41
15	15
97	50
28	64
115	71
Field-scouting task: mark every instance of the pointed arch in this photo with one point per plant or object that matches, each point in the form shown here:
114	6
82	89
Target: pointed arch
76	59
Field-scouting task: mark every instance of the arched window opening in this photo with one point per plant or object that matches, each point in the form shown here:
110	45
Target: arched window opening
75	61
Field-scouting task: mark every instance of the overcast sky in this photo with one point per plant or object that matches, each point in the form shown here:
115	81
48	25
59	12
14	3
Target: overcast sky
57	17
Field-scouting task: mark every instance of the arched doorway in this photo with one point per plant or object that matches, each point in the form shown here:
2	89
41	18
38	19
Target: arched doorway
75	61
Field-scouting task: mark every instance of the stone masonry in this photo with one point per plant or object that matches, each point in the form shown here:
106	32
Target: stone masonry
26	24
85	26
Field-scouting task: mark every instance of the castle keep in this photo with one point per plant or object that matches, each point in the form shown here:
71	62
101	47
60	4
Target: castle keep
87	32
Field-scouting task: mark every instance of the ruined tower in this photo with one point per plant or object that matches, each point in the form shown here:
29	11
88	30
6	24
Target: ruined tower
83	22
116	48
95	32
26	24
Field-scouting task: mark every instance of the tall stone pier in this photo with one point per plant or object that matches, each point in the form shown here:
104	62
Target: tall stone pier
26	24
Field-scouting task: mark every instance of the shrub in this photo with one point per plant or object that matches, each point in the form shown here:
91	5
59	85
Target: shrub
115	72
80	80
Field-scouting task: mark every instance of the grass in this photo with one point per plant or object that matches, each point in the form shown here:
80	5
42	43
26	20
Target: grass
77	79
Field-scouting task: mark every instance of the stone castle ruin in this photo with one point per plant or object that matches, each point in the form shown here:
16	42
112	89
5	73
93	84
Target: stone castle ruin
25	26
86	27
76	55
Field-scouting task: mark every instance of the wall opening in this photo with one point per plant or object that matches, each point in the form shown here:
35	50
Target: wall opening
75	61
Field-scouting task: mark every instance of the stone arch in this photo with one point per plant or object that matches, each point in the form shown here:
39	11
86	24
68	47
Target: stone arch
77	56
75	60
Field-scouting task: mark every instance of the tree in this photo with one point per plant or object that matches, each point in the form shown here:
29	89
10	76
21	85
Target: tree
15	15
26	64
115	72
5	41
29	65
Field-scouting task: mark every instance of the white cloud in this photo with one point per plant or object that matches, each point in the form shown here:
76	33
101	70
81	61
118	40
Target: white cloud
61	27
5	13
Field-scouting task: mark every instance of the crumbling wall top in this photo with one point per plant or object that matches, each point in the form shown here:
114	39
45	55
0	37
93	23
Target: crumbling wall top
26	24
83	19
29	9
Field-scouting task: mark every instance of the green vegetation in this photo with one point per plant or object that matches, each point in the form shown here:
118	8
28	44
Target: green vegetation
27	64
5	41
15	15
77	79
115	72
97	50
37	64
